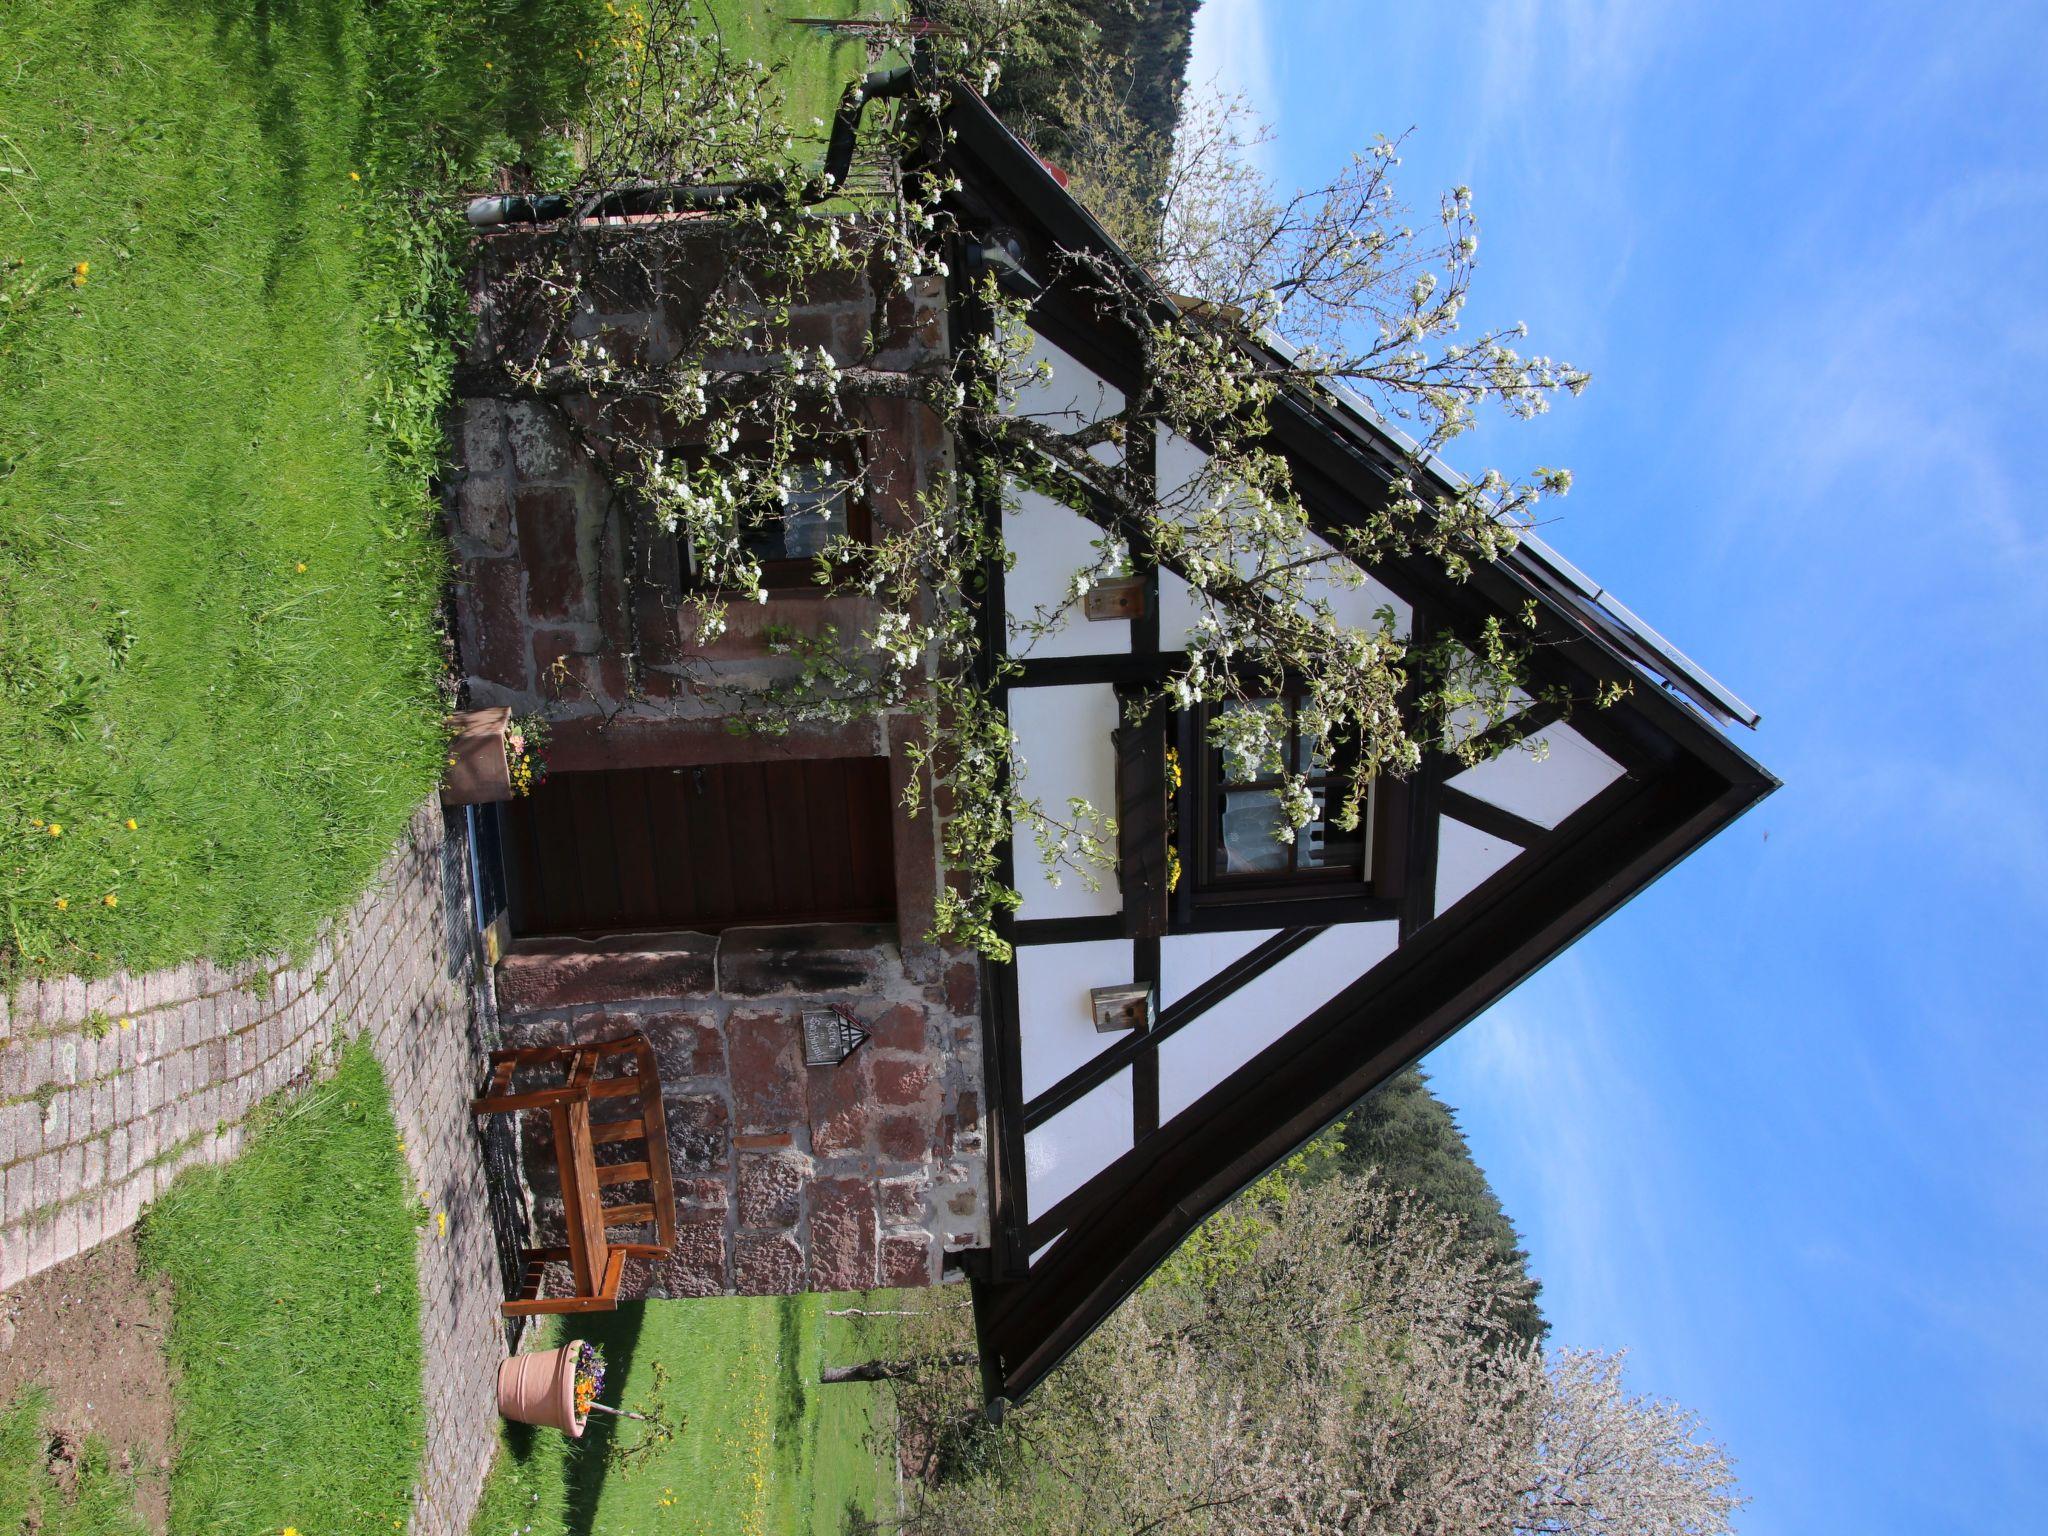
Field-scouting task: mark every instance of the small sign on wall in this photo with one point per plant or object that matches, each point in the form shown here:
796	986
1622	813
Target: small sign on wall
830	1036
1120	1008
1115	597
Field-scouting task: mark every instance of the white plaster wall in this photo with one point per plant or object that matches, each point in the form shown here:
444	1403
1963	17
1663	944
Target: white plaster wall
1465	856
1186	960
1074	397
1179	463
1055	1023
1050	543
1543	790
1197	1058
1077	1143
1063	735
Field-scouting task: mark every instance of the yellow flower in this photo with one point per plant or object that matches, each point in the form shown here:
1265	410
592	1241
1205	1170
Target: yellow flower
81	269
355	175
302	567
487	63
78	279
63	904
110	900
441	1223
127	1023
129	823
35	821
56	829
291	1530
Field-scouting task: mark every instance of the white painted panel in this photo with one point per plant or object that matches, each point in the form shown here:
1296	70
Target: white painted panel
1197	1058
1464	857
1186	960
1051	543
1544	790
1176	611
1063	735
1359	606
1180	462
1054	1021
1076	1144
1072	398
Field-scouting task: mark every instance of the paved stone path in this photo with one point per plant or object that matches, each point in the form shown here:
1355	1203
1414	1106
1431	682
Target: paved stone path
108	1089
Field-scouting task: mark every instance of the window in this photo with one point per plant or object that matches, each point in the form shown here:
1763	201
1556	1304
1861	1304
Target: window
1239	815
824	505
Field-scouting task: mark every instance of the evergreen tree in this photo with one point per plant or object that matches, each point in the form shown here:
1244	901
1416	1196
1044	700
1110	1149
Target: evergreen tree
1410	1135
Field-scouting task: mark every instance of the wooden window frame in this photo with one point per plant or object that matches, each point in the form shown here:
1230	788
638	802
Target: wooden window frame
1200	905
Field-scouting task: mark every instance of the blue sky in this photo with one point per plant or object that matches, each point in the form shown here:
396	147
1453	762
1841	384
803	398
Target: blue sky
1777	1128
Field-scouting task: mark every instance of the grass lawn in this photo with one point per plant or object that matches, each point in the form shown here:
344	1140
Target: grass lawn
220	383
294	1338
100	1502
815	65
762	1449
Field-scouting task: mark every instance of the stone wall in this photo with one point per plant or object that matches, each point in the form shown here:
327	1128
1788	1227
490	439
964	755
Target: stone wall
569	603
788	1178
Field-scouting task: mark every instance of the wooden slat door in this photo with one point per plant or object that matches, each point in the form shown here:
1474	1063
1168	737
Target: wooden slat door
710	847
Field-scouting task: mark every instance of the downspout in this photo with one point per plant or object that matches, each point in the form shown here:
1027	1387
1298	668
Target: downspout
640	201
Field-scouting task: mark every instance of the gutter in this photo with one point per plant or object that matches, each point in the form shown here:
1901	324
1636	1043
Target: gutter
652	199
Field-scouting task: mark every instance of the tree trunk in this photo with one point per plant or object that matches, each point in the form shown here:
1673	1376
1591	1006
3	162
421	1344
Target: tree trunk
893	1370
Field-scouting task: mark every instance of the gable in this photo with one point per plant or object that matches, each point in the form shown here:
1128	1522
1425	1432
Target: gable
1274	1008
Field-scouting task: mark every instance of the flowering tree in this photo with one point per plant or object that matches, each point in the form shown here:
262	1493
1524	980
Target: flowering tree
1334	1360
1233	297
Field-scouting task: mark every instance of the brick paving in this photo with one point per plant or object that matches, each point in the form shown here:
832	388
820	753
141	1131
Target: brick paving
108	1089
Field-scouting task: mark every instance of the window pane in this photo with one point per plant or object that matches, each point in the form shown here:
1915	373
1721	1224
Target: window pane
1247	767
1325	846
815	516
1248	846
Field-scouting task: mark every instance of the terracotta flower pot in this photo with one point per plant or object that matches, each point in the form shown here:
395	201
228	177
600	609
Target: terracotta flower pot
540	1388
477	771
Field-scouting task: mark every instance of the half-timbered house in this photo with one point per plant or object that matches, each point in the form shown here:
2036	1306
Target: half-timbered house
1052	1127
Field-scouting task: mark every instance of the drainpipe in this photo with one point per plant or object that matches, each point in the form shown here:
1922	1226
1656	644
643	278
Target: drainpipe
652	198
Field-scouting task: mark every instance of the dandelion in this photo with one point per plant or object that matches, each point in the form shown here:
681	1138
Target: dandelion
487	63
110	900
291	1530
35	821
56	829
441	1223
63	904
81	269
127	1022
355	175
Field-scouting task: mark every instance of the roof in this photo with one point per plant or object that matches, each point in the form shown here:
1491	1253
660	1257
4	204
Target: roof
1685	782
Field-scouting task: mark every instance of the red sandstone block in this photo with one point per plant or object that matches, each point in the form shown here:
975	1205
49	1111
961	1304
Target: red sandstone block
906	1259
901	1082
702	1194
839	1106
963	986
902	1201
842	1235
696	1266
699	1133
770	1190
907	1138
902	1028
768	1264
685	1045
767	1070
498	611
546	517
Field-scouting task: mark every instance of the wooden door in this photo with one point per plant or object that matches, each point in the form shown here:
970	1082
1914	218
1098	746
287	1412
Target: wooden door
709	847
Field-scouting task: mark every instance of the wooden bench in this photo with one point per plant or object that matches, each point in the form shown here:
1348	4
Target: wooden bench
576	1084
